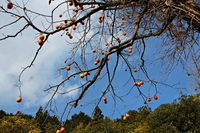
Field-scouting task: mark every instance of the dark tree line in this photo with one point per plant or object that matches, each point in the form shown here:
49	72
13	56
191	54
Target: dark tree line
180	116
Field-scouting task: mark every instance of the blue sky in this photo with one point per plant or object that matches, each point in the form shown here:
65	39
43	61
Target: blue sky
18	52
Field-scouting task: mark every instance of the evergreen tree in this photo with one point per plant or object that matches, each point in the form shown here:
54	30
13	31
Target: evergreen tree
98	116
46	121
2	114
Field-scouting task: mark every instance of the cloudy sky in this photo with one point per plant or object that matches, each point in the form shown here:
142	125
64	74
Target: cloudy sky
17	53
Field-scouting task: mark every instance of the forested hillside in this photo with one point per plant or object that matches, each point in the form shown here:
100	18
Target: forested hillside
180	116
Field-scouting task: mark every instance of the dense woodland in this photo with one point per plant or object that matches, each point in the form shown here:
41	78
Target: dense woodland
180	116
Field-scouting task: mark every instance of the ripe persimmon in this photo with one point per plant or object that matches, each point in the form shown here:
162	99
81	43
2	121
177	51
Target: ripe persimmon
82	75
127	115
93	6
68	34
122	18
149	99
106	44
124	33
66	29
124	118
68	67
82	22
135	70
85	73
97	60
100	17
105	100
121	23
60	15
141	82
95	63
10	5
41	36
81	7
40	42
100	20
74	27
70	3
70	37
180	24
129	50
133	3
58	131
136	83
19	99
118	40
179	31
94	50
76	9
155	97
57	26
102	52
70	22
62	129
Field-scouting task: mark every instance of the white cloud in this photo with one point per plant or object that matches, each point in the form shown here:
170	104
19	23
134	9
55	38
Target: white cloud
19	52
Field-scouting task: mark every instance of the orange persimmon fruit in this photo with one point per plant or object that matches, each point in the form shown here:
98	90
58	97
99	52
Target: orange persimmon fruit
106	44
149	99
19	99
85	73
93	6
40	42
41	36
94	50
129	50
124	33
122	18
155	97
82	22
82	75
60	15
62	129
81	7
127	115
10	5
68	67
57	26
76	9
70	3
121	23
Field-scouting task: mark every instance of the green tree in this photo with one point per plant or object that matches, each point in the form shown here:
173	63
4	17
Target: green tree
78	121
180	116
98	116
45	121
17	124
106	126
24	116
2	114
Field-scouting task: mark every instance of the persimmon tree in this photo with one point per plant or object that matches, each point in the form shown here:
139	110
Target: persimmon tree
107	38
